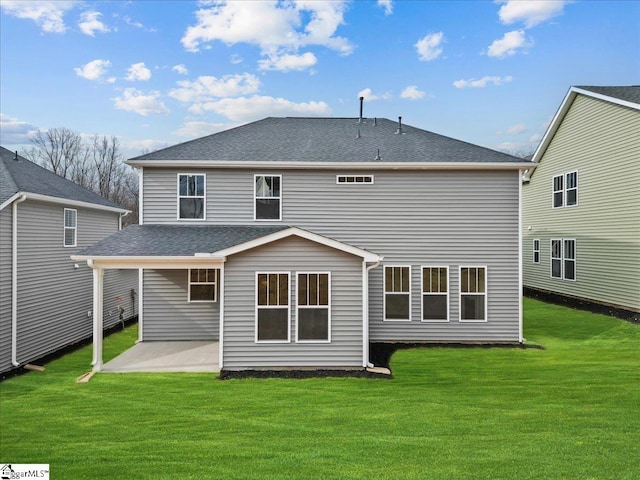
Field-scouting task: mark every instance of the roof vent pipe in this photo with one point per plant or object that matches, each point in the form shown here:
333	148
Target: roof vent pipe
399	132
375	121
361	105
16	157
378	157
358	136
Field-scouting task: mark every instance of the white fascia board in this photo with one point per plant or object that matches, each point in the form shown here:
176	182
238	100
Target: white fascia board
313	237
606	98
333	165
63	201
175	262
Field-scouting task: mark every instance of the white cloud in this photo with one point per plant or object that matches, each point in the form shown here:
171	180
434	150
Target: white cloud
277	28
245	109
181	69
483	82
368	95
200	129
14	131
90	23
138	71
535	138
146	145
412	93
288	62
93	70
236	59
48	15
530	12
133	100
509	44
207	88
429	47
516	129
387	5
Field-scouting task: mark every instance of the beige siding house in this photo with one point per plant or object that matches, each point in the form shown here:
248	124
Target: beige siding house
581	205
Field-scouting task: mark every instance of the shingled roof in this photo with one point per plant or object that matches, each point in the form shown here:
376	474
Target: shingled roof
17	174
326	140
627	94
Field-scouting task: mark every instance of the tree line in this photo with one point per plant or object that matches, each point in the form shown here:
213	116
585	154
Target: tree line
95	163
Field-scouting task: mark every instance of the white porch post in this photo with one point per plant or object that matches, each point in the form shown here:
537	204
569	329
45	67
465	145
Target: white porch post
98	280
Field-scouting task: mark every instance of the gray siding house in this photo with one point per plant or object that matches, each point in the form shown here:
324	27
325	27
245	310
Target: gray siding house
45	297
295	242
581	205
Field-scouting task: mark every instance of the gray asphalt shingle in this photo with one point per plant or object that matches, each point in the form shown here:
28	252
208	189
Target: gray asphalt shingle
297	139
628	94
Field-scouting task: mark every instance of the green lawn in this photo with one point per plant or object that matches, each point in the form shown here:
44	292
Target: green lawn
571	410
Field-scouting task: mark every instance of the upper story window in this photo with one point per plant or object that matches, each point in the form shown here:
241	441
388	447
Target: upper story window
565	190
473	294
70	227
202	284
191	196
397	293
268	197
354	178
435	294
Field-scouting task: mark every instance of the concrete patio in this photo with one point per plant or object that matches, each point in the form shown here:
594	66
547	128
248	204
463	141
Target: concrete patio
191	356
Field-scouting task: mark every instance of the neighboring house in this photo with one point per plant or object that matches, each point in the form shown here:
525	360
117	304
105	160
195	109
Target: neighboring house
581	205
46	298
297	241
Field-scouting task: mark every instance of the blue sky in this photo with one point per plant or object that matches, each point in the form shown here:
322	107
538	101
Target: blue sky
159	73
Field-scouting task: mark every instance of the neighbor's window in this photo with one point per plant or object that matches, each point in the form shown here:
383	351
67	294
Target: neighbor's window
354	178
536	251
191	196
435	294
556	258
397	293
473	294
272	307
268	197
202	284
313	323
558	191
571	186
70	227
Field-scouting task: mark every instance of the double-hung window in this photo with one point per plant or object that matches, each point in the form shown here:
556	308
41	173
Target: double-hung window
70	227
563	258
268	197
191	196
558	191
473	294
272	307
397	293
202	284
565	190
536	250
435	294
313	323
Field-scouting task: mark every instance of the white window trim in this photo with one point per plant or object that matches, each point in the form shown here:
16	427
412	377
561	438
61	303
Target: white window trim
344	177
461	293
288	307
255	197
566	190
423	293
574	259
552	258
298	307
65	228
204	198
533	258
554	191
384	295
214	283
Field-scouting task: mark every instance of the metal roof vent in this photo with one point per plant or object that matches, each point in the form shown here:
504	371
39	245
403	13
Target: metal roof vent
16	157
358	136
378	157
399	131
361	105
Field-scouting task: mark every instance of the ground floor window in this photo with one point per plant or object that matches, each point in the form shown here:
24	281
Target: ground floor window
203	284
435	294
313	307
536	251
563	258
397	293
272	307
473	294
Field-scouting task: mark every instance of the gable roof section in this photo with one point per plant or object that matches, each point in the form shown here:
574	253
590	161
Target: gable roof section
622	96
322	142
22	176
141	244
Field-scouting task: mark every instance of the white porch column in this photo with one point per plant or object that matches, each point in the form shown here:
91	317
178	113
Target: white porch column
98	280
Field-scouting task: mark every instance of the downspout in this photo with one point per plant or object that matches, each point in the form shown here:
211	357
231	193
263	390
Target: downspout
365	311
520	267
14	280
122	215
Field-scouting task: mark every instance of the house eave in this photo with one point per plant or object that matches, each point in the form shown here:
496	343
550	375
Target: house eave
153	262
62	201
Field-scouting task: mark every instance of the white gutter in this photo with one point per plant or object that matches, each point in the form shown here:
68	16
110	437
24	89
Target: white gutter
14	281
64	201
365	311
